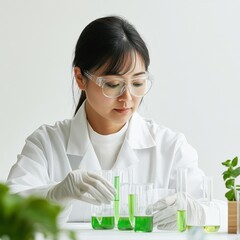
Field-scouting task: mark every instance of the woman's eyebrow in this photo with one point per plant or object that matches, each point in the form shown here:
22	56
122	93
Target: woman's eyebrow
140	73
136	74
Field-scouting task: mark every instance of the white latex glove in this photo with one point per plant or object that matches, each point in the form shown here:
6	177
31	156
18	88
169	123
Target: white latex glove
84	186
165	213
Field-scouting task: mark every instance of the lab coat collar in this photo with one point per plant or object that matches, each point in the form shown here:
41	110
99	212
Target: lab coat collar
138	136
138	133
80	150
79	141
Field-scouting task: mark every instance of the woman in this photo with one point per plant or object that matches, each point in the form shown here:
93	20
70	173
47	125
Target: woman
111	70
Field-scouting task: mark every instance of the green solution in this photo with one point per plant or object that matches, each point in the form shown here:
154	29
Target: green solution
131	208
208	229
116	210
211	229
116	198
143	224
124	223
103	222
181	220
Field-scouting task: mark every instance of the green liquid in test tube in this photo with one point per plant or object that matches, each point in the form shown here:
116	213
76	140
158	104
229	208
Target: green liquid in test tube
143	224
181	220
131	208
181	199
124	223
211	229
208	229
103	222
116	198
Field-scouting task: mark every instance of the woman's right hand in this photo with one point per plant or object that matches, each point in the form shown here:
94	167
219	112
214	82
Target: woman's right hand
84	186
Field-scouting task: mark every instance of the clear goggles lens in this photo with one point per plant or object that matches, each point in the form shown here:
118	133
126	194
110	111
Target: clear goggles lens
138	87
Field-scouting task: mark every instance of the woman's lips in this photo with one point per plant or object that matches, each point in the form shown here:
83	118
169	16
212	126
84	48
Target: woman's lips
122	110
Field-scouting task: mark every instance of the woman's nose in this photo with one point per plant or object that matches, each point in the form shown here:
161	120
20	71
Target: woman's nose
126	95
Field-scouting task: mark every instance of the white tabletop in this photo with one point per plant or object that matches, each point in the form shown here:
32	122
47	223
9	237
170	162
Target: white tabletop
84	231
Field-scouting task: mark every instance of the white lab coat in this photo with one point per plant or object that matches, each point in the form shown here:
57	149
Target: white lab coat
51	152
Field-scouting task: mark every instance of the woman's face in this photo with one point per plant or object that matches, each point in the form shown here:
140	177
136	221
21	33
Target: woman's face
108	115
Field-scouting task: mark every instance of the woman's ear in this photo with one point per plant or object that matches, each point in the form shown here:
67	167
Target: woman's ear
81	82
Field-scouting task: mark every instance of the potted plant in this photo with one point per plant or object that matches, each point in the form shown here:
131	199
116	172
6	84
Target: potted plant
24	218
230	176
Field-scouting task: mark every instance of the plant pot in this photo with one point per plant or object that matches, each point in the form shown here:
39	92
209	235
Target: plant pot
232	217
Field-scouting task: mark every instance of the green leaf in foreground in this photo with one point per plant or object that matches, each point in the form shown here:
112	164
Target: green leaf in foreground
21	218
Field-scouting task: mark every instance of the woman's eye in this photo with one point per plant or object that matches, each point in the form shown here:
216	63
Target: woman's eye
138	83
112	84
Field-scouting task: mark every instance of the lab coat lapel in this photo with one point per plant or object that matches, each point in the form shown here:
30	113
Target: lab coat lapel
90	161
126	157
138	136
79	149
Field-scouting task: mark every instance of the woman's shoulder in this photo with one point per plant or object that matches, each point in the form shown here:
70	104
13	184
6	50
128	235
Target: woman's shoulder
161	132
59	129
168	139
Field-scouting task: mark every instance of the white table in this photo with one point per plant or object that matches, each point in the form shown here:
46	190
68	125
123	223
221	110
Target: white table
84	231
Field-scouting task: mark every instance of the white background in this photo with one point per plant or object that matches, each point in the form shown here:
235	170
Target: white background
195	60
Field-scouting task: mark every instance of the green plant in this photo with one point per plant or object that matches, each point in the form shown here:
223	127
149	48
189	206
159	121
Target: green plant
229	176
21	218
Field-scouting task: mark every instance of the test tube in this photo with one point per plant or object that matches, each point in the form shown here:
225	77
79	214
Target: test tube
131	195
117	178
212	223
126	201
103	215
181	199
126	213
143	215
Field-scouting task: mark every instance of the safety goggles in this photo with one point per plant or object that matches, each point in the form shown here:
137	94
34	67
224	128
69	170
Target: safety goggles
114	86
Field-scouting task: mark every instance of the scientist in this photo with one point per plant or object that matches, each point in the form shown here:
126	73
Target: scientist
57	162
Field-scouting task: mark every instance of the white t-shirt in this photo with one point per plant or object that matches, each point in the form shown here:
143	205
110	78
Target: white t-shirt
107	147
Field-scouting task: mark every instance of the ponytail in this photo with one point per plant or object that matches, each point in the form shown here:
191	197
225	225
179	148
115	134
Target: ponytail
80	102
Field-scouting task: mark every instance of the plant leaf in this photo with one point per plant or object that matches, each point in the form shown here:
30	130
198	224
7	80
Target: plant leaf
72	235
22	217
236	172
226	175
227	163
3	189
234	162
230	195
36	210
229	183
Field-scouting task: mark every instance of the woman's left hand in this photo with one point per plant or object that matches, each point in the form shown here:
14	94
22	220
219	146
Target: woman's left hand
165	212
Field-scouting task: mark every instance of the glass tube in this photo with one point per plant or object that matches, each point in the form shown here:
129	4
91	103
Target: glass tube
143	217
126	213
103	215
181	199
117	179
212	223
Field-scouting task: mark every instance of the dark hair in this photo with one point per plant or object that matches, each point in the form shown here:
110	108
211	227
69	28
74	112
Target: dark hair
108	40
